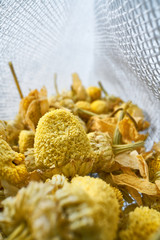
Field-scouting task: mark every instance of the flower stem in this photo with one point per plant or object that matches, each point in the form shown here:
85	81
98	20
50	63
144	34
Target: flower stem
87	112
55	83
120	148
15	79
103	89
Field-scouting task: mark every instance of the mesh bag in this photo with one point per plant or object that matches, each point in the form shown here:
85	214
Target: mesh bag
115	41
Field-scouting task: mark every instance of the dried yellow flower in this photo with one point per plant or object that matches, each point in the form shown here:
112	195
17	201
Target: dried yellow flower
119	197
94	93
60	140
99	107
142	223
105	207
12	167
26	140
19	210
101	144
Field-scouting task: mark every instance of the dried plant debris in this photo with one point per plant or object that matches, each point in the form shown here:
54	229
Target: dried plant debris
51	146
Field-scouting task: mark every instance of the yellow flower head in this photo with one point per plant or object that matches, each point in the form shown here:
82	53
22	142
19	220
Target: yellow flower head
94	93
60	139
142	223
106	208
101	144
12	167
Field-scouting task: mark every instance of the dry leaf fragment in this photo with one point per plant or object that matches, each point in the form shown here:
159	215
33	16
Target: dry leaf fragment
129	132
141	185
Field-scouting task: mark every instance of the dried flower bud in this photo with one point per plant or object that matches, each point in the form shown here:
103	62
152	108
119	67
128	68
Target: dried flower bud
99	107
94	93
101	144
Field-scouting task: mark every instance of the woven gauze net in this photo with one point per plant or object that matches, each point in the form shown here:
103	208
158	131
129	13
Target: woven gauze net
113	41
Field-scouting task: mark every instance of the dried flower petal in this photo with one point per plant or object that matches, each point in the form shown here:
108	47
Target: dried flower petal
107	125
141	185
129	132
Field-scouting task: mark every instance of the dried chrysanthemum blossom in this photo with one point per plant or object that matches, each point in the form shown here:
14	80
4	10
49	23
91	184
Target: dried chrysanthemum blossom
94	93
16	218
33	107
26	140
77	208
105	207
12	167
104	151
61	210
101	144
13	128
119	197
61	142
99	106
142	223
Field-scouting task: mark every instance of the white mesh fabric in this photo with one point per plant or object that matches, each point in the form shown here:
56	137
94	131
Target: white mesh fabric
128	53
115	41
31	31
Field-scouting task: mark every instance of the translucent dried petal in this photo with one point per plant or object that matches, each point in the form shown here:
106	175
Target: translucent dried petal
78	89
107	125
141	185
129	132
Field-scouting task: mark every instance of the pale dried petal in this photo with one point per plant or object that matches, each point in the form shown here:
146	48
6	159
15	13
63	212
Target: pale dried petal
141	185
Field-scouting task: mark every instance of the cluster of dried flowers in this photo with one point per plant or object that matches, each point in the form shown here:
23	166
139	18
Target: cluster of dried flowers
49	148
